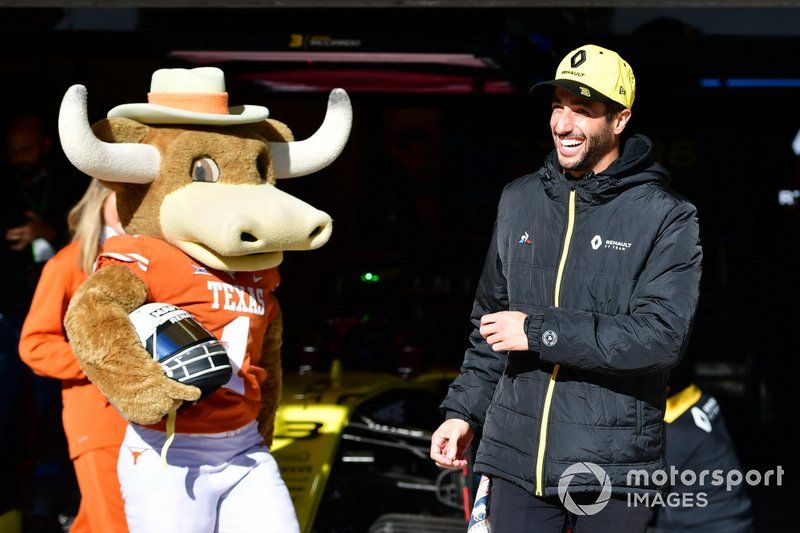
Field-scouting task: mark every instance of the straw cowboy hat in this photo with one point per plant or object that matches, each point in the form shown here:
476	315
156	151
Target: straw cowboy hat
189	96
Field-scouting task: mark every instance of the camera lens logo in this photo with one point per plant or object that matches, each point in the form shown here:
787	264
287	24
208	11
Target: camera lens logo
590	508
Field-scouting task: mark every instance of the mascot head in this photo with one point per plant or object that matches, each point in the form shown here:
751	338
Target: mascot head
201	175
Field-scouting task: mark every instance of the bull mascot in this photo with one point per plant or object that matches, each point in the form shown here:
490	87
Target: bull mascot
182	306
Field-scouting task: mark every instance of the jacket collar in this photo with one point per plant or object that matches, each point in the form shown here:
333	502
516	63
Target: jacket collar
635	166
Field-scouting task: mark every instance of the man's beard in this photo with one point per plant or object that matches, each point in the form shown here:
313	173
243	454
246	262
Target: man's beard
597	146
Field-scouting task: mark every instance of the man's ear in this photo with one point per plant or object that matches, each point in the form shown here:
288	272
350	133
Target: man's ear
621	120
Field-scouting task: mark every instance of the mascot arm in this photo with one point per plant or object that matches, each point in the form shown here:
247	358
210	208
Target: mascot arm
271	386
110	353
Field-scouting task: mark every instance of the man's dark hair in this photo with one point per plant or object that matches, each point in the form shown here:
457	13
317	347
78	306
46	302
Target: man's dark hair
612	109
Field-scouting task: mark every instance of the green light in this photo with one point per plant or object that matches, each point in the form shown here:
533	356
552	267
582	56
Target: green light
369	277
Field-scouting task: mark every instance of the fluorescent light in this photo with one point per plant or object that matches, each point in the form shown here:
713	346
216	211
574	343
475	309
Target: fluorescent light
750	82
711	82
763	82
796	144
788	197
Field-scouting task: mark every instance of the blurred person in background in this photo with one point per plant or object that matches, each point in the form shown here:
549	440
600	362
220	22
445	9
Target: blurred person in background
93	427
697	441
33	208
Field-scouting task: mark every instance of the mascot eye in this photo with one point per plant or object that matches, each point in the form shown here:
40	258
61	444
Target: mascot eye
205	169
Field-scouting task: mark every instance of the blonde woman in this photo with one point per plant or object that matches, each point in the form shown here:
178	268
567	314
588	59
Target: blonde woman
94	428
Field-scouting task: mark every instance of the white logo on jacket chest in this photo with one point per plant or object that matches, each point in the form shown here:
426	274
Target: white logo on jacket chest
237	298
597	242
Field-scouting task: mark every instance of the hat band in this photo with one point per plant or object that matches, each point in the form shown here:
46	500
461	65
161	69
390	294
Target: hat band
213	103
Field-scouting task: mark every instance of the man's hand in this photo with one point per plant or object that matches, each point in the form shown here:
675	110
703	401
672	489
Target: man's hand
36	228
449	443
505	331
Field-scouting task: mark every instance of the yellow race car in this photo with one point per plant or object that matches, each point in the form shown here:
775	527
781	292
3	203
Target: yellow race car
353	450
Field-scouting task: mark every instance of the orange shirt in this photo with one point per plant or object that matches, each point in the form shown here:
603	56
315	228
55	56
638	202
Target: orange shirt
90	422
235	307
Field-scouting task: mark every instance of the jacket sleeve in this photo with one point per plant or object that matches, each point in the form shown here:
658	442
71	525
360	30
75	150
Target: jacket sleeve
43	344
653	336
471	392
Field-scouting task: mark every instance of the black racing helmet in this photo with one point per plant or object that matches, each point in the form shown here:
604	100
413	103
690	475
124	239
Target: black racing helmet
186	350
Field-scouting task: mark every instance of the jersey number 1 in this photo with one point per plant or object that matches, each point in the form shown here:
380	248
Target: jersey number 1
234	338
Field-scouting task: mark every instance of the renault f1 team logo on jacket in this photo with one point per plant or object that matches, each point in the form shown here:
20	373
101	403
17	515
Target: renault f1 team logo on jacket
597	242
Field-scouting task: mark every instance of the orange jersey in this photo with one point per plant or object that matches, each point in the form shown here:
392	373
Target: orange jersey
235	307
90	422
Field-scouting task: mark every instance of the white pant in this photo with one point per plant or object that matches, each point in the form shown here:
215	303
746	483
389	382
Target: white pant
223	482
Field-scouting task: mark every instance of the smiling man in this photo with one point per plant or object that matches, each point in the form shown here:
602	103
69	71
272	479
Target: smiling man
585	303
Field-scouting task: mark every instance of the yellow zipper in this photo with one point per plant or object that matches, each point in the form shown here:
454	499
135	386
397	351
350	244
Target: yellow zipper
551	386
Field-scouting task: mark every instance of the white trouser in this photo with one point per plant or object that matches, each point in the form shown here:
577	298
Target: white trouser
222	482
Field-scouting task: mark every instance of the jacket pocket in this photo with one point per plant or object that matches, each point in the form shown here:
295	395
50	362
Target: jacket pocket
639	417
500	385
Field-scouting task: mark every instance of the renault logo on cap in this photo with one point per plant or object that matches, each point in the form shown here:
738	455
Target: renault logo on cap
578	58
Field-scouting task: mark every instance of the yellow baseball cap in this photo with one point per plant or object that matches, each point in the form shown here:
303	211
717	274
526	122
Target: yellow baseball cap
594	73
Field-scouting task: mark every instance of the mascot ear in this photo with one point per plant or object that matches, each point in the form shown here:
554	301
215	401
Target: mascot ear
120	130
272	130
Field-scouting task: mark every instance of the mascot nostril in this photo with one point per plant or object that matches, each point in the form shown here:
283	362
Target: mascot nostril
248	237
195	272
317	231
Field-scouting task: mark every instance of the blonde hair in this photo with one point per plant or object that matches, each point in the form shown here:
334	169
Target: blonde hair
85	221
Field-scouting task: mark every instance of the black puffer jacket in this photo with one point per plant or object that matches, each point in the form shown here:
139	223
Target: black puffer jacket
607	269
